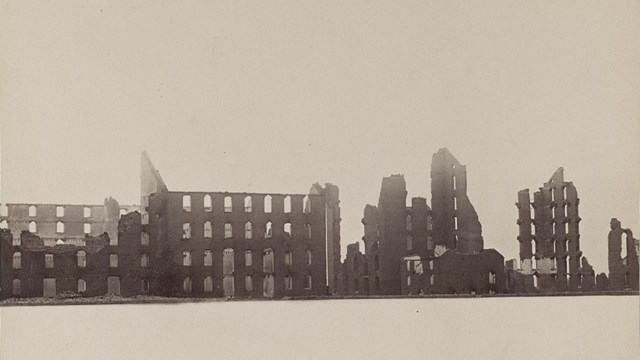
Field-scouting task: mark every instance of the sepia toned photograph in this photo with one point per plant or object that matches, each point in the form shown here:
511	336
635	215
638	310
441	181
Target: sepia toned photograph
319	180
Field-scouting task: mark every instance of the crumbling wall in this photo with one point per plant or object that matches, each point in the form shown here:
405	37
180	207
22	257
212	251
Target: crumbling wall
455	221
355	272
623	268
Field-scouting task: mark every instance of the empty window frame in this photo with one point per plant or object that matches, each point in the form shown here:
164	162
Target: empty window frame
307	257
48	261
267	204
307	281
228	231
59	211
113	260
186	258
248	206
492	277
60	227
186	202
208	284
268	286
288	257
32	211
87	228
306	203
454	183
17	287
17	260
409	242
4	210
144	260
123	212
144	239
429	223
267	230
287	229
33	228
82	258
267	261
307	227
208	203
408	280
248	258
287	204
288	282
4	224
208	230
248	283
82	286
186	231
432	279
144	286
455	222
409	223
455	203
227	261
187	285
228	204
248	230
86	212
208	258
228	286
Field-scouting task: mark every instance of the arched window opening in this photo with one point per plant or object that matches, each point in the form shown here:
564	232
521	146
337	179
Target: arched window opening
307	281
409	242
228	231
268	288
288	257
267	204
82	286
408	223
248	207
308	231
288	282
32	211
17	260
287	229
82	258
208	230
87	228
144	260
60	227
32	227
86	212
227	261
186	202
287	204
186	258
186	231
208	203
187	285
208	258
208	284
268	231
306	204
17	287
492	277
248	230
248	258
144	239
307	257
248	283
454	183
228	204
267	261
48	261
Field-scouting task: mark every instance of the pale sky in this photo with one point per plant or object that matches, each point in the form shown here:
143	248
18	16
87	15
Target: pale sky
274	96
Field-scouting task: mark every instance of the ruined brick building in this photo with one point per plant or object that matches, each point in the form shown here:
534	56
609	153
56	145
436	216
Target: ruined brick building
238	244
49	249
550	255
421	250
623	271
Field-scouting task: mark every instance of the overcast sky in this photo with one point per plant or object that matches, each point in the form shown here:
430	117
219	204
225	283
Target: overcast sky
274	96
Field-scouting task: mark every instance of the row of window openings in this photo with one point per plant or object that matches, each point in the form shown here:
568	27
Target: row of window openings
248	205
228	259
409	223
33	227
33	211
267	284
565	226
17	286
248	230
81	260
